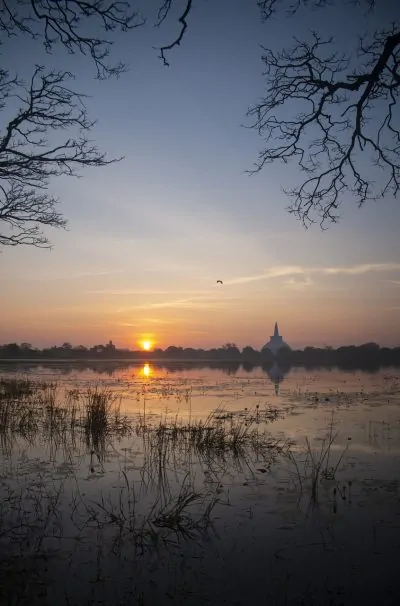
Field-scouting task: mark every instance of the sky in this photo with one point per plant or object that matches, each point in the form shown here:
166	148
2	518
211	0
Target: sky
149	237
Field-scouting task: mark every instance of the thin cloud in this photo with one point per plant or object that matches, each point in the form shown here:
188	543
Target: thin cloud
362	269
174	303
123	292
282	271
76	276
159	321
186	303
128	292
274	272
299	284
199	302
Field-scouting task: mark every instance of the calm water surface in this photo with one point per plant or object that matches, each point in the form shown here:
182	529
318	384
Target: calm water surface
295	500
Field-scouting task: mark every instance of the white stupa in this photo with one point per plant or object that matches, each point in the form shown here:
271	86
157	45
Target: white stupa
276	342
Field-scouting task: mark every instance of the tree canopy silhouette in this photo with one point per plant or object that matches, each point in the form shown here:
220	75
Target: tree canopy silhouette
325	108
335	114
321	108
28	160
46	105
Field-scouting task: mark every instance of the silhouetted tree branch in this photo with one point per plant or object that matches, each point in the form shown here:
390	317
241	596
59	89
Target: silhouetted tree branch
162	14
320	108
323	112
269	8
28	159
71	23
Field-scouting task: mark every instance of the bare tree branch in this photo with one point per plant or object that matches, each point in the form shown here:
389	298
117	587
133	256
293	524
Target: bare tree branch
162	14
323	114
24	211
269	8
28	159
71	23
319	109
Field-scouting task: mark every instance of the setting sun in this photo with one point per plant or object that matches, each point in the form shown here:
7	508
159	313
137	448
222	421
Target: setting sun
146	345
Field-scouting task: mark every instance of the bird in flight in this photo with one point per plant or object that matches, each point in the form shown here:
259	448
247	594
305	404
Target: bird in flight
219	282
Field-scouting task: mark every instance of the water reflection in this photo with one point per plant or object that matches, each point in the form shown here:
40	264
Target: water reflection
146	371
112	367
135	501
276	375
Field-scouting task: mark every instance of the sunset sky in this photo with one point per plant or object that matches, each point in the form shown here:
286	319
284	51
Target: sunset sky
149	237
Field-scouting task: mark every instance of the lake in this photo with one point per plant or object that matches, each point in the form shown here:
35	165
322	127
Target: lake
175	483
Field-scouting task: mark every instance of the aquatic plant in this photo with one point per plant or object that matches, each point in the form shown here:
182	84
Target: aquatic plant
316	464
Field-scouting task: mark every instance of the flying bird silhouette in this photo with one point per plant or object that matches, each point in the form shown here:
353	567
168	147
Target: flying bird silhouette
219	282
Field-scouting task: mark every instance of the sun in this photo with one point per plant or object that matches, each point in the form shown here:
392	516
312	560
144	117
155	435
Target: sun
146	345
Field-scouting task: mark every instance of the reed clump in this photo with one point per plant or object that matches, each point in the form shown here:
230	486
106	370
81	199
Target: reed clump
16	388
317	463
184	515
214	436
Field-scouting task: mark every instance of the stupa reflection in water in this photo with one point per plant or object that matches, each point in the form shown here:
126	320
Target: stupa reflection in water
276	376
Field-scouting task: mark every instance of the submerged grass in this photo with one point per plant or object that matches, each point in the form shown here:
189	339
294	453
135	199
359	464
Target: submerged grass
31	410
16	388
98	408
94	416
316	463
213	437
184	515
213	447
146	510
161	496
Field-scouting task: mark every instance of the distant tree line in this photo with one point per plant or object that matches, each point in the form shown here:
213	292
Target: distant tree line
368	355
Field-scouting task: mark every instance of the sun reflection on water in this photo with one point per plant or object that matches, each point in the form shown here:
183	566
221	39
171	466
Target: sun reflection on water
147	371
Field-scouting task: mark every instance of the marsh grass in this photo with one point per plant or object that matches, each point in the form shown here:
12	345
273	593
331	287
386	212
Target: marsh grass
215	440
164	519
93	416
62	419
159	501
16	388
316	465
98	405
19	412
214	448
176	516
27	516
102	419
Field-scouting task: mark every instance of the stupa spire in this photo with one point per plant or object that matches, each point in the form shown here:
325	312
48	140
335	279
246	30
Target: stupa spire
276	342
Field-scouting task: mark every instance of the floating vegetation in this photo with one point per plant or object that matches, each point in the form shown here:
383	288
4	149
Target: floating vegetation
172	503
82	422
